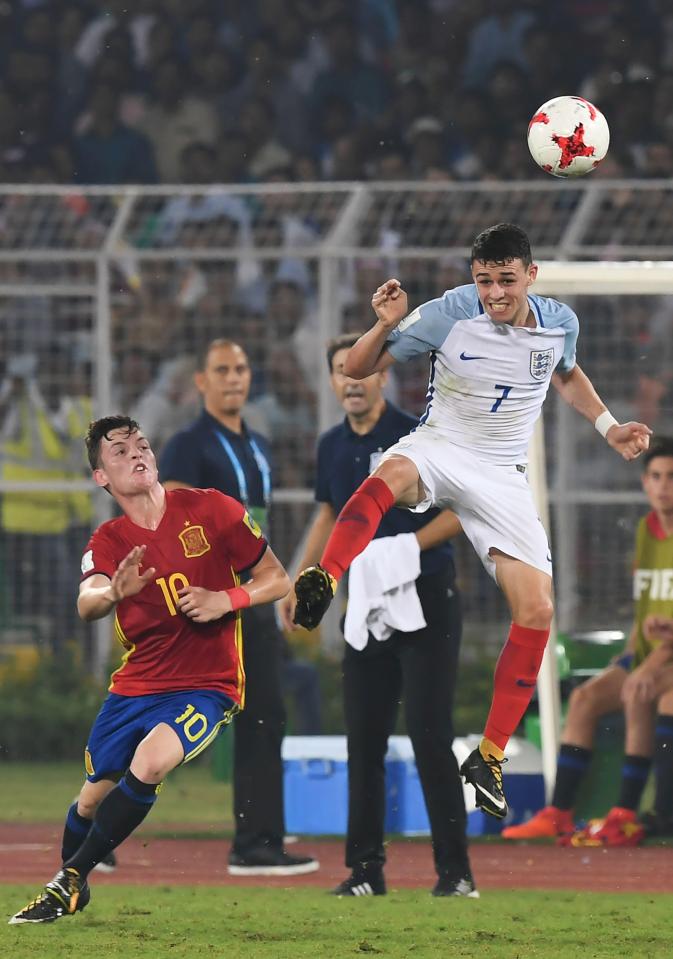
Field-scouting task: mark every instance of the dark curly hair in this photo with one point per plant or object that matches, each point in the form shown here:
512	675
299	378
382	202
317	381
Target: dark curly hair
100	429
502	243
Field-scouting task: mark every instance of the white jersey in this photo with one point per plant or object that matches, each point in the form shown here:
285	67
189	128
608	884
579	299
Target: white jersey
488	380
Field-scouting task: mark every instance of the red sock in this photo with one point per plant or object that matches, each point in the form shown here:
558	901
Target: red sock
514	681
356	525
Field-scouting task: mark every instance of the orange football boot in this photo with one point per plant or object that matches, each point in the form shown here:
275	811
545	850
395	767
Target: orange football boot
548	823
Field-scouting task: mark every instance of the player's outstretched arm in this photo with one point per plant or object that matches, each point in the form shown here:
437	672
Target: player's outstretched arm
369	355
627	439
98	595
268	582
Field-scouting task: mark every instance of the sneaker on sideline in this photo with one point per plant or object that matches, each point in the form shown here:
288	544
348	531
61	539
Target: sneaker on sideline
450	886
109	864
270	862
549	823
363	881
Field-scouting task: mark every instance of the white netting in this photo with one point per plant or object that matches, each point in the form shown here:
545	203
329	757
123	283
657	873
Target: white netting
108	293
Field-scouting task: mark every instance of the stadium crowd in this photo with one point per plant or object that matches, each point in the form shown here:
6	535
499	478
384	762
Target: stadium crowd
167	91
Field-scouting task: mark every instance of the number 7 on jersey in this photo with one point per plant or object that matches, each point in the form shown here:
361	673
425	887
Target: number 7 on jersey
505	394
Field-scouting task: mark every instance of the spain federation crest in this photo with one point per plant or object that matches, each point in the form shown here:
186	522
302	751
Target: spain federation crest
194	541
541	363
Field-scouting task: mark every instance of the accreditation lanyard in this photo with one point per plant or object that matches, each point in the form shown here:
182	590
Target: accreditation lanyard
259	513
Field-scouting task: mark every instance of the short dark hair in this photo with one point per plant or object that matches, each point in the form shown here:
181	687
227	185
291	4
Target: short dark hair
501	244
659	446
342	342
100	429
220	343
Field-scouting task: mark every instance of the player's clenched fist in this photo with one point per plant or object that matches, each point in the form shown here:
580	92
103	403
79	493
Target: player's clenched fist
389	303
629	439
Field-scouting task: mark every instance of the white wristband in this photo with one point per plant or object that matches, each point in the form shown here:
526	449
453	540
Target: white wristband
604	422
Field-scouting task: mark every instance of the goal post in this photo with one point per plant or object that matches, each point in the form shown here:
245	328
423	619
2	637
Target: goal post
615	277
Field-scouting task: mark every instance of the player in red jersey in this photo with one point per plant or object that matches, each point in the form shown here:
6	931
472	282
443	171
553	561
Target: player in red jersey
169	569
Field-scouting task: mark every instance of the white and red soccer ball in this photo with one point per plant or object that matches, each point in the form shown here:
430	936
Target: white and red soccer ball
568	136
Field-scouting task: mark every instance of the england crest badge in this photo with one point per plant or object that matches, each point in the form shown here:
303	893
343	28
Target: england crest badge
541	363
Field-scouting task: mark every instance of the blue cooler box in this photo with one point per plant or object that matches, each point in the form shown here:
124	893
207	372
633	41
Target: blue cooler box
316	786
315	779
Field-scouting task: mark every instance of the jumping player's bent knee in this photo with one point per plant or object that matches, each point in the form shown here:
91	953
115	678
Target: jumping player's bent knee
402	478
536	614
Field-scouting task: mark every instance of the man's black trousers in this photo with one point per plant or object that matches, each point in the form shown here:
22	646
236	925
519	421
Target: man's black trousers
258	737
419	669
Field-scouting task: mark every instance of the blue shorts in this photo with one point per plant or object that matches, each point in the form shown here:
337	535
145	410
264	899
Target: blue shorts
196	715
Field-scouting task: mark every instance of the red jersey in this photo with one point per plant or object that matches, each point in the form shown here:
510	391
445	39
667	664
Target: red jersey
204	539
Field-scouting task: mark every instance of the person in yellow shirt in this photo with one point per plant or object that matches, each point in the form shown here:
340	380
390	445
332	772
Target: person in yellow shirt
639	681
37	435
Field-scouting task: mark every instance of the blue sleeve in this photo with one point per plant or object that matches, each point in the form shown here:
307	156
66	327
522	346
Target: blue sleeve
426	327
180	461
569	358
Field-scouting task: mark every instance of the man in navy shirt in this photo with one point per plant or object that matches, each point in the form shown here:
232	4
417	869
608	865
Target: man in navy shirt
419	665
218	451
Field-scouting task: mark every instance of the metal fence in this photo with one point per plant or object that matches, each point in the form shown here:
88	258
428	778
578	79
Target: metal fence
107	294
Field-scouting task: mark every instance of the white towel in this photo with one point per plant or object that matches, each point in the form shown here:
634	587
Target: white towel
382	593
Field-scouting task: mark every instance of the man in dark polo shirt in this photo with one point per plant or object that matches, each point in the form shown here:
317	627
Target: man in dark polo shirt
419	666
218	451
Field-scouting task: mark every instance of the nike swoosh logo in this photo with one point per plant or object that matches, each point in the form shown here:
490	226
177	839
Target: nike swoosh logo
499	803
466	356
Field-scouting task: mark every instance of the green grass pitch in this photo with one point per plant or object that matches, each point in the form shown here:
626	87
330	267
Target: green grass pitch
236	923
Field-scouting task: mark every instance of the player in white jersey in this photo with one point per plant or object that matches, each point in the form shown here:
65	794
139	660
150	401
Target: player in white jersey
494	350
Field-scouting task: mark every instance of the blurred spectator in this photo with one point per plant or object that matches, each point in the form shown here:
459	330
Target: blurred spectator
265	152
654	396
495	39
174	118
116	13
217	78
267	76
425	137
348	75
108	151
232	158
41	442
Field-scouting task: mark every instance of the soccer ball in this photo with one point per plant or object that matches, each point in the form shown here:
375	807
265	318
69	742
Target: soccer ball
568	136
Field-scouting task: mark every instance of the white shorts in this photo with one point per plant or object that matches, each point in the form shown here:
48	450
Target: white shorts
494	503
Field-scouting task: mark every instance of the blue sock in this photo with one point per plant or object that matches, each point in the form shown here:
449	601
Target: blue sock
635	770
122	811
573	762
74	833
